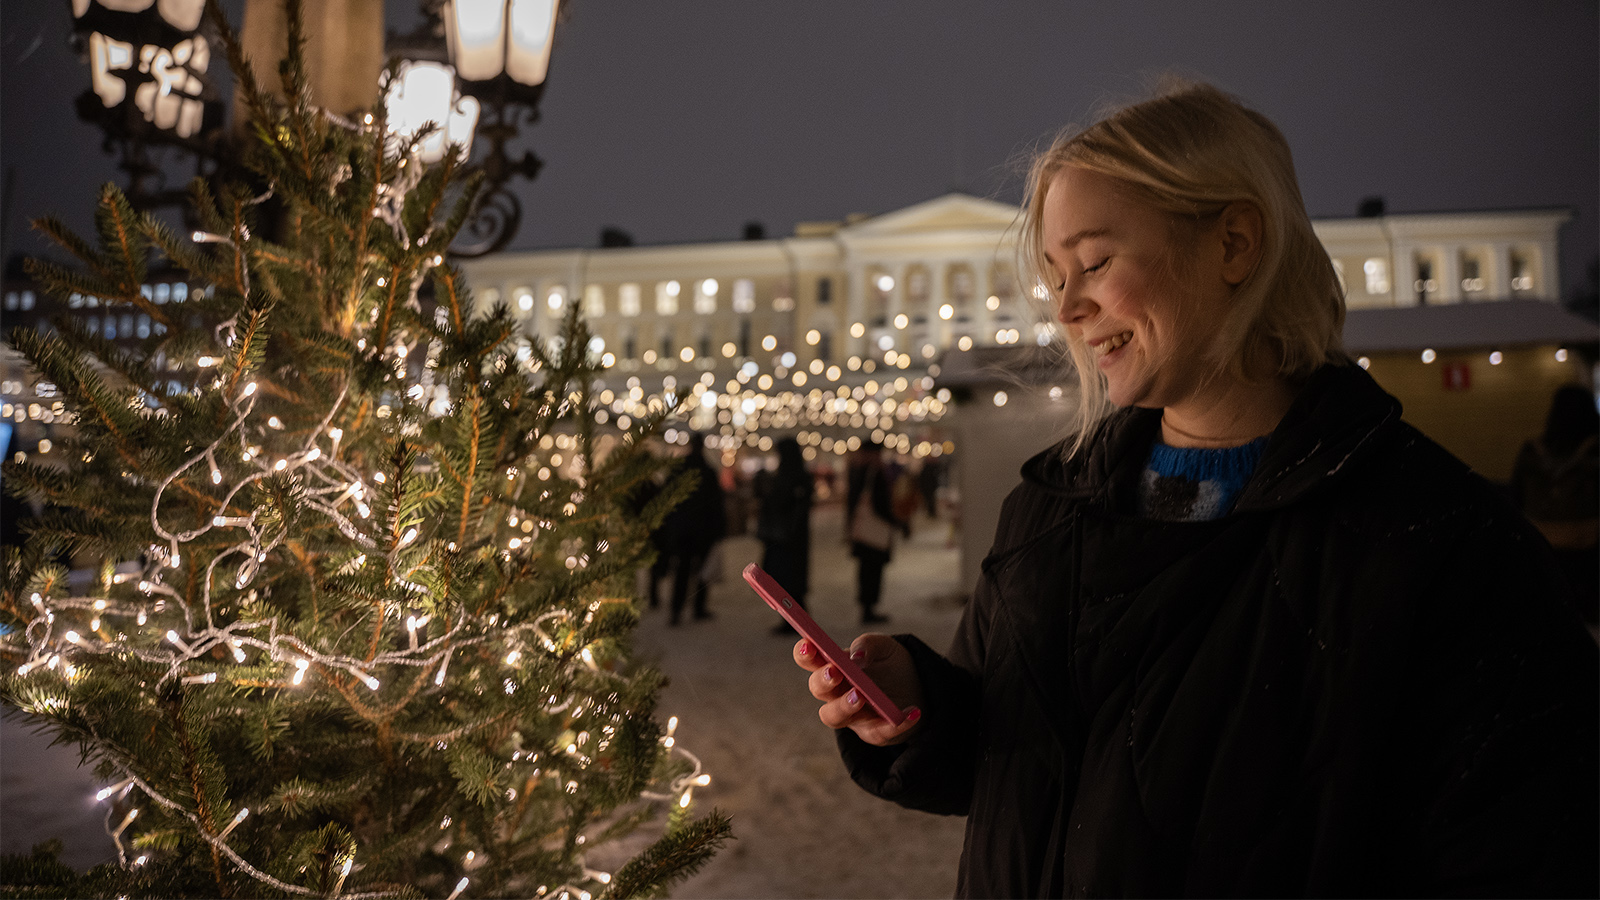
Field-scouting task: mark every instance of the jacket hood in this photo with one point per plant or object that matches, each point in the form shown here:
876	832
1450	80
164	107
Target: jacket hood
1339	416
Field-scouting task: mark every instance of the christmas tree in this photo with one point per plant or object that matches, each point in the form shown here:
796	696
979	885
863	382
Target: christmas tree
359	599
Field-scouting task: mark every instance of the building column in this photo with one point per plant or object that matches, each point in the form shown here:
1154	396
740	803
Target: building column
1499	276
1450	275
855	305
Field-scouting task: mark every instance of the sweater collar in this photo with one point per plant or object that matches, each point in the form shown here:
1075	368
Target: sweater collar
1337	419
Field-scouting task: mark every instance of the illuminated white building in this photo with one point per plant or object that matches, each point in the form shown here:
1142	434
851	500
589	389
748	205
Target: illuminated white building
904	287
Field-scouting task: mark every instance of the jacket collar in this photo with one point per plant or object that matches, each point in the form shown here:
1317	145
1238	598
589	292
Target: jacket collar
1337	419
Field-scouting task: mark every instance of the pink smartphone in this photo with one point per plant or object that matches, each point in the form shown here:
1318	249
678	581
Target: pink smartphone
795	614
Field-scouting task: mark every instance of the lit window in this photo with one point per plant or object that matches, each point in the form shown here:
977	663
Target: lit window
594	301
705	297
12	299
180	292
1377	271
667	298
163	292
628	301
744	296
27	299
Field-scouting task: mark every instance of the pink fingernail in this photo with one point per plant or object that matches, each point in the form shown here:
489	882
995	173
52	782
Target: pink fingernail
805	648
830	674
853	698
857	656
913	715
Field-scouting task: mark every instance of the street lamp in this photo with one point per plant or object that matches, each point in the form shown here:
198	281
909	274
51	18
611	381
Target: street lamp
501	53
424	93
147	61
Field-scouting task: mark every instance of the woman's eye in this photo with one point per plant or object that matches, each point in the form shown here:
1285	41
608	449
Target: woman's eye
1097	266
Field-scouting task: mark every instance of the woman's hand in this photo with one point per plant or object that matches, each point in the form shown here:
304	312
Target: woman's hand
885	662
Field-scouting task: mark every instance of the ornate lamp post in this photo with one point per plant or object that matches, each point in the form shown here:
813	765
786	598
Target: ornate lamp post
501	53
147	60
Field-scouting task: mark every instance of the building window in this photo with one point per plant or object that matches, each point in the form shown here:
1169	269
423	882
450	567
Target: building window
667	297
824	291
163	292
1377	271
180	292
1471	273
744	296
705	345
666	345
825	346
630	346
594	301
1425	283
705	296
143	330
628	299
744	337
12	299
27	299
1521	273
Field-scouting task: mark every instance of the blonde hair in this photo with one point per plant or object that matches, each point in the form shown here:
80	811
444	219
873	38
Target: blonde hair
1189	152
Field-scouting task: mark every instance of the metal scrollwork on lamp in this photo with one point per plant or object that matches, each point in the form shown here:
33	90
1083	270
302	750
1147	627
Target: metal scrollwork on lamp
148	85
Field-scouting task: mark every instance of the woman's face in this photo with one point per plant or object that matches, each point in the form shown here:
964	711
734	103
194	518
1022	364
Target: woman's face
1116	264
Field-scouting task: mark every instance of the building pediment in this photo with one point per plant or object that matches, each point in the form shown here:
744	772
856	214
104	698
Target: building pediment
952	212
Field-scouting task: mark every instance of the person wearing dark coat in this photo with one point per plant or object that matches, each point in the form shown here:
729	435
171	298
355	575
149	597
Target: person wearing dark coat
870	523
691	529
784	524
1251	634
1556	484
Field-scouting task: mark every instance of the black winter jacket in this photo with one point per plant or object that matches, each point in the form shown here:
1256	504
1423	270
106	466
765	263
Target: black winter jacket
1363	681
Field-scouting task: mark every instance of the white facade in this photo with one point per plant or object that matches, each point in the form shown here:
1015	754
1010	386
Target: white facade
903	287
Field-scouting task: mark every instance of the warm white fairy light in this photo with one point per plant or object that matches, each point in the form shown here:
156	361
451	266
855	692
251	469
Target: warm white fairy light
239	817
201	638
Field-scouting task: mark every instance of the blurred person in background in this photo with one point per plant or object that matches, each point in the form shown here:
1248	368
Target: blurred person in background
784	524
1556	484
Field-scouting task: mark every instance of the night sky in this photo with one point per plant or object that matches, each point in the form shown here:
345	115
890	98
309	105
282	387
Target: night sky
679	122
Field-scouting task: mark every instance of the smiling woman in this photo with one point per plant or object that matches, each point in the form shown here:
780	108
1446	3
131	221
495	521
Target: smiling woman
1198	179
1249	633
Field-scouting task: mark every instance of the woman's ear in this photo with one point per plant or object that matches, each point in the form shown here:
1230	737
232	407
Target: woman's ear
1241	227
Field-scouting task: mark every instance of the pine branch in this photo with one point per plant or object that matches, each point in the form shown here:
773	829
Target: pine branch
672	858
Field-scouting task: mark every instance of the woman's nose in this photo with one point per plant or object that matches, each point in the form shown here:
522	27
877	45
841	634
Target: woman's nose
1072	307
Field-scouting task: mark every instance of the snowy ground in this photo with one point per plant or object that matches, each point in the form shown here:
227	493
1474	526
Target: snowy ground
802	828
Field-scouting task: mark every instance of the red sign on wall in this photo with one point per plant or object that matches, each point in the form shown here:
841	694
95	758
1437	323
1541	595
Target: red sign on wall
1457	376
